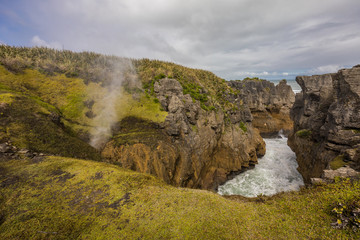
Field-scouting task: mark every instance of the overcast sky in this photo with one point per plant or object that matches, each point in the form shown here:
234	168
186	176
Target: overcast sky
271	39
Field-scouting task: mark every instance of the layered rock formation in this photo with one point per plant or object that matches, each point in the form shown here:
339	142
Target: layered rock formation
269	104
326	118
193	147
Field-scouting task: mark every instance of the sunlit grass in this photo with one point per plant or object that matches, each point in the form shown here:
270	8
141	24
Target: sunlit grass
61	198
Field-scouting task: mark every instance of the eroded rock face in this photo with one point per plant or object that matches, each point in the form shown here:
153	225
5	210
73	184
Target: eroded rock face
326	118
269	104
193	147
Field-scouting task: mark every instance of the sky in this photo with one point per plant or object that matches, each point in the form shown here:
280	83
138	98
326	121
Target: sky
271	39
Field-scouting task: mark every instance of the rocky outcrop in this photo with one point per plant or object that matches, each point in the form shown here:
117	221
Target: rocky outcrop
269	104
193	147
326	118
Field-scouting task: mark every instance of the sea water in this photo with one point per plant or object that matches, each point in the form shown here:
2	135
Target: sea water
293	84
276	172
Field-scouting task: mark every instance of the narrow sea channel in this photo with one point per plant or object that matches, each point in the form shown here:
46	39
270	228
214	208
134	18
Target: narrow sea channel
276	172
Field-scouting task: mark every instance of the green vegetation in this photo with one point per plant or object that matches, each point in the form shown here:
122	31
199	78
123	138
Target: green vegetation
66	95
346	210
89	66
243	127
356	131
60	198
7	98
304	133
251	79
137	130
77	76
37	127
337	162
203	86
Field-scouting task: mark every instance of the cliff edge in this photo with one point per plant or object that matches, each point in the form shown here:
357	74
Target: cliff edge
326	117
193	147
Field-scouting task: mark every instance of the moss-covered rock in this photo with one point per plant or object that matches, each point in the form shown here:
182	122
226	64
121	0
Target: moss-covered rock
337	162
304	133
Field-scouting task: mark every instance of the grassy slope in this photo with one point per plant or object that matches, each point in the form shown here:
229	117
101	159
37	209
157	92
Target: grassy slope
76	84
67	97
95	68
61	198
27	123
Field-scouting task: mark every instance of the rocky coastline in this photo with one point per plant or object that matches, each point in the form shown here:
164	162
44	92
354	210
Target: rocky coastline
269	104
203	149
193	147
326	117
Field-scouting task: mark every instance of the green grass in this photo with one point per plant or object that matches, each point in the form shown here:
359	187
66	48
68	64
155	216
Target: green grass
28	123
66	94
7	98
304	133
61	198
67	97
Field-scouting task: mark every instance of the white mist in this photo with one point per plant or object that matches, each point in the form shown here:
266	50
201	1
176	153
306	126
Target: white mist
121	71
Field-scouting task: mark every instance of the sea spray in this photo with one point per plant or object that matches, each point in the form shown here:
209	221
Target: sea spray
120	72
276	172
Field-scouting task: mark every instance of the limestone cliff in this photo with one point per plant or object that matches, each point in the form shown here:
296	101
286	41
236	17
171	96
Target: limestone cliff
269	104
193	148
326	118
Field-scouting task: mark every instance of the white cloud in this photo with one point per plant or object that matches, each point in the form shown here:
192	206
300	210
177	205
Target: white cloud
227	37
326	69
37	41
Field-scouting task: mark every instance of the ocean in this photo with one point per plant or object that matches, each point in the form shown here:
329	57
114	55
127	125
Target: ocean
295	87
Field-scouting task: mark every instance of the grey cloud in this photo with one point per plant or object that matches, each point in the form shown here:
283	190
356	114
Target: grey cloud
227	37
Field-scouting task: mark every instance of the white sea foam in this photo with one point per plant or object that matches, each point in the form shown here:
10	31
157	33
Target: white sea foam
276	172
